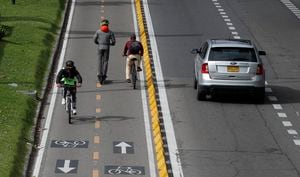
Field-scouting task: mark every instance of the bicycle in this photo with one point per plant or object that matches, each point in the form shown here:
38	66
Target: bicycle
133	72
69	104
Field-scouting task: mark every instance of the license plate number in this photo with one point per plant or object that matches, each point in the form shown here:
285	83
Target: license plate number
233	69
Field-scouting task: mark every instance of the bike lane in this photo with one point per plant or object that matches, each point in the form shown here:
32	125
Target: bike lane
108	135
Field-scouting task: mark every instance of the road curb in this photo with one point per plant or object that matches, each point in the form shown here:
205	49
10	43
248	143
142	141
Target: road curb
152	98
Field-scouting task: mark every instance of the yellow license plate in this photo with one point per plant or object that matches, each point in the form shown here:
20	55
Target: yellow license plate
233	69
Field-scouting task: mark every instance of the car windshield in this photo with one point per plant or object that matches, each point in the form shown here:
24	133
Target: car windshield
232	54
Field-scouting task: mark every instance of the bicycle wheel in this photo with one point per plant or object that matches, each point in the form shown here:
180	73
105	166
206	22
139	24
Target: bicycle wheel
69	109
133	75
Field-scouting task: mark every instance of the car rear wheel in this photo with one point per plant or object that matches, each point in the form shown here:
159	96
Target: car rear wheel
201	94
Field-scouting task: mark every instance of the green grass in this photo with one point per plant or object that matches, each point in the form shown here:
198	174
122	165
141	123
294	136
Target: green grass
24	56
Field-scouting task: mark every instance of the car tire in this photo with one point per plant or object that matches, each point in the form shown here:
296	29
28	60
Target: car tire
195	83
201	94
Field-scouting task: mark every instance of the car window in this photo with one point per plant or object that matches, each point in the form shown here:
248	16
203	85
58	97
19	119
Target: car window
203	50
232	54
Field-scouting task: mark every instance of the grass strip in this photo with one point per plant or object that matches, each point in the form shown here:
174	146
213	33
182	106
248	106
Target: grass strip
24	58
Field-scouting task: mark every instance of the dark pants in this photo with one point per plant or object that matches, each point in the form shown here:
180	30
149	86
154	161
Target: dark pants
73	94
103	57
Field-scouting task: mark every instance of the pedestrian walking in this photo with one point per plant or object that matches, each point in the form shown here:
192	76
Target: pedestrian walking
104	38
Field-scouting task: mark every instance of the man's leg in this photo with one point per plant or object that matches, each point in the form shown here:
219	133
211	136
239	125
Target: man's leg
100	65
128	69
105	63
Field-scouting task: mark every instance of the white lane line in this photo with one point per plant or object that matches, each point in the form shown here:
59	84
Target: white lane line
272	98
170	134
147	123
291	6
268	90
282	115
277	106
292	132
287	123
297	142
40	154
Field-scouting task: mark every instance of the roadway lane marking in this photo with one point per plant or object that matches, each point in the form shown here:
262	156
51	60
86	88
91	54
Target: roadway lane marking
277	106
40	153
226	19
97	124
174	154
98	97
297	142
272	98
95	173
291	7
268	90
287	123
96	156
292	132
282	115
98	110
96	139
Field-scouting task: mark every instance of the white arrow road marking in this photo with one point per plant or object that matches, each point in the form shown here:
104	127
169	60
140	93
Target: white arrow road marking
66	168
123	146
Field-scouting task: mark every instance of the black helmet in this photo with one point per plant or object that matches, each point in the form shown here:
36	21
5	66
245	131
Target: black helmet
132	36
70	63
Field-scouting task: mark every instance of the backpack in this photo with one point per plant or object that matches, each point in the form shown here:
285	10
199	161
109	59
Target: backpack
134	47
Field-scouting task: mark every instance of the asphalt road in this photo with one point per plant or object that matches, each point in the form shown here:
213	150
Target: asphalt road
228	136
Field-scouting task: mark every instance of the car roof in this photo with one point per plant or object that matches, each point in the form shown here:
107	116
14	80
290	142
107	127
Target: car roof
231	43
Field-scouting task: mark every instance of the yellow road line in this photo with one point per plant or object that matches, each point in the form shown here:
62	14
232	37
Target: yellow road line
96	156
98	97
157	136
96	139
98	110
95	173
97	124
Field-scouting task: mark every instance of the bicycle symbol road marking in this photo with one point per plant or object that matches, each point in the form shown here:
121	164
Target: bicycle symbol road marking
69	144
124	170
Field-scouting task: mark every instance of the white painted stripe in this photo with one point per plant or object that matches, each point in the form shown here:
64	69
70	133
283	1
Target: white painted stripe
297	142
227	20
266	82
222	13
220	10
225	16
287	123
218	6
40	153
170	134
216	3
277	106
147	123
236	37
268	90
292	132
282	115
229	24
234	33
231	27
272	98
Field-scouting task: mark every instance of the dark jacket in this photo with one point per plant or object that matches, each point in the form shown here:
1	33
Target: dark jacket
126	50
68	73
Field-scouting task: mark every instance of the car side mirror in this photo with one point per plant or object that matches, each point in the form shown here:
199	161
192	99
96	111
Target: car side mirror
261	53
195	51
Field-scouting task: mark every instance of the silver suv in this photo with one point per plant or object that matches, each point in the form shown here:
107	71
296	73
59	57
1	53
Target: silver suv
229	65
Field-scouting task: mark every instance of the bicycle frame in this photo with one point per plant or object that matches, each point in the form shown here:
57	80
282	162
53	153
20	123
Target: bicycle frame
68	105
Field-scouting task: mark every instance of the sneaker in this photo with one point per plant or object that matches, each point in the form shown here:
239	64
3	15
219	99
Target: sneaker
74	111
139	69
128	80
63	101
